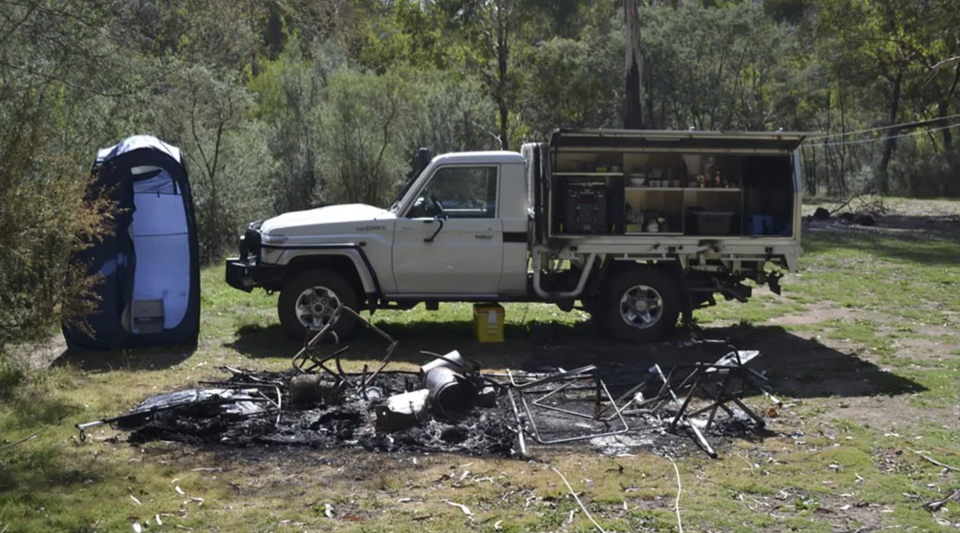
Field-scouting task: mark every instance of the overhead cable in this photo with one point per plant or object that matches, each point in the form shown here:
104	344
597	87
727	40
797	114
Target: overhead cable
881	128
879	139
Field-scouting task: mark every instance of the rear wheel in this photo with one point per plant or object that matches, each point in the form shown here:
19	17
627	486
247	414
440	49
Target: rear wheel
311	299
639	304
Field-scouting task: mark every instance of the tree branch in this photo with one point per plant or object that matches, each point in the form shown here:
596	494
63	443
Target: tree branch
16	24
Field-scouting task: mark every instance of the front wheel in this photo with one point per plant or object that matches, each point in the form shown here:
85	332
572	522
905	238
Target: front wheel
639	304
310	300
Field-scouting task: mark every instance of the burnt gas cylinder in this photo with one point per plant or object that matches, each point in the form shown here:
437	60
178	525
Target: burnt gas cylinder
451	395
311	389
304	389
452	360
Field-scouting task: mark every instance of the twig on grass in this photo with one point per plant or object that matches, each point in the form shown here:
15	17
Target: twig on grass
744	459
944	450
466	510
679	490
580	503
25	439
937	505
844	204
934	461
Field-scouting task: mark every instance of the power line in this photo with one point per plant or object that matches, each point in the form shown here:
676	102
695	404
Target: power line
889	137
881	128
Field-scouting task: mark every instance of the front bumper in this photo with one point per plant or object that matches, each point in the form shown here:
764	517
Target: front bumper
245	275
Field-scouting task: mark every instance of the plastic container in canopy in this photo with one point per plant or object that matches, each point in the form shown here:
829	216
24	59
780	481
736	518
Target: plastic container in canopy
713	222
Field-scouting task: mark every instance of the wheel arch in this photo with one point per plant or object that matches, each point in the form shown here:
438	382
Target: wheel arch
672	268
350	262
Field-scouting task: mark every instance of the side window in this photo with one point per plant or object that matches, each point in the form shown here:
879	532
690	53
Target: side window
461	192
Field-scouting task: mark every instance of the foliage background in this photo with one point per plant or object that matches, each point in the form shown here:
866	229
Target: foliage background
289	104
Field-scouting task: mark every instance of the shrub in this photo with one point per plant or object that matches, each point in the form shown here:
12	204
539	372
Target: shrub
46	216
11	376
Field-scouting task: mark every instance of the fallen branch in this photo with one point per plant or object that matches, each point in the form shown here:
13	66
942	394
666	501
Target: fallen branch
466	510
679	490
866	205
934	461
844	204
580	503
25	439
937	505
944	450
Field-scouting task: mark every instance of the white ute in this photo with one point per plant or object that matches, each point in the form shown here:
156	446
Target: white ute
638	226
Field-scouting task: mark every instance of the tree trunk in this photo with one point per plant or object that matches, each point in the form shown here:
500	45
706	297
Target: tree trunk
891	134
943	109
810	171
254	64
502	97
503	56
504	117
842	177
634	118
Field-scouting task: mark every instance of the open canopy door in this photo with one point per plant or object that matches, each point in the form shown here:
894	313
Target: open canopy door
677	141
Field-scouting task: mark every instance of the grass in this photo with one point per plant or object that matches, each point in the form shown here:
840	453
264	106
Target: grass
872	318
11	376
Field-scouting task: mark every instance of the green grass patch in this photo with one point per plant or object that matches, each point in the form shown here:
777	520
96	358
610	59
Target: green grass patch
873	295
863	332
754	311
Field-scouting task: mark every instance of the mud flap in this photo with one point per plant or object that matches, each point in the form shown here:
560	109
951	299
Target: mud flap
675	271
773	281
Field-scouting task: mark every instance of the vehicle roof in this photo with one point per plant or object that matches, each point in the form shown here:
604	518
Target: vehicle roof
488	157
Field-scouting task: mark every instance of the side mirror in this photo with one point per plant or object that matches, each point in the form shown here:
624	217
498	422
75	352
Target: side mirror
420	208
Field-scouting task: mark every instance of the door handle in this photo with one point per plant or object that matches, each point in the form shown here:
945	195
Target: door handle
435	233
483	235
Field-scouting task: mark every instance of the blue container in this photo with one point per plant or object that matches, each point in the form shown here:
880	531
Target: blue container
759	224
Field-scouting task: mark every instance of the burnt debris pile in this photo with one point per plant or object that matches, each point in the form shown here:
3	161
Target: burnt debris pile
450	406
394	414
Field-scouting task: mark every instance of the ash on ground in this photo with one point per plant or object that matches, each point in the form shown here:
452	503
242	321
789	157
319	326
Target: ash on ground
449	406
351	423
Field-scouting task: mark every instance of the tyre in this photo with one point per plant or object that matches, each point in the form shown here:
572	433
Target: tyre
310	300
639	304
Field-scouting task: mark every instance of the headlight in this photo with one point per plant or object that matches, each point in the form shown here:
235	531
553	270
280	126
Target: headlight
273	239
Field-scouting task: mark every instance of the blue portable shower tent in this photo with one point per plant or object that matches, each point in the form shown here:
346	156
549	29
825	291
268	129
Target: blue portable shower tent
150	287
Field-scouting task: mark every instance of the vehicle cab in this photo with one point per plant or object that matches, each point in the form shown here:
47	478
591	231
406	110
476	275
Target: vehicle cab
461	229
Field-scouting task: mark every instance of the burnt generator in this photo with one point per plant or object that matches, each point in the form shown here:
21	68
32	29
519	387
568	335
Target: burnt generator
585	207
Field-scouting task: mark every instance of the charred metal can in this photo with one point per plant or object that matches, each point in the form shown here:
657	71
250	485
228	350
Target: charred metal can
452	360
451	394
